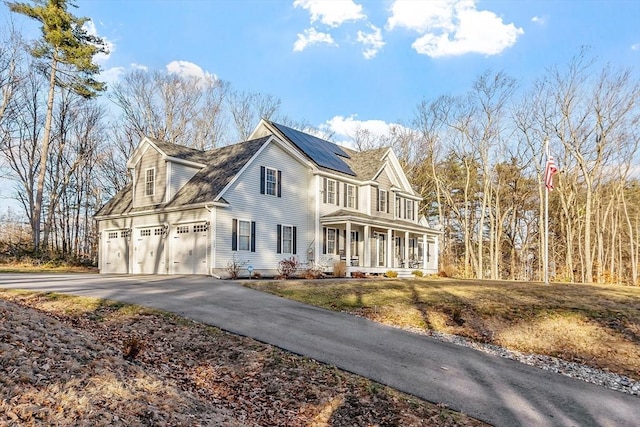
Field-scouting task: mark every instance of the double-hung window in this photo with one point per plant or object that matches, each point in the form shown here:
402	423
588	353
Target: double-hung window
398	207
382	200
243	235
150	182
270	181
331	192
286	239
351	196
409	209
354	243
331	240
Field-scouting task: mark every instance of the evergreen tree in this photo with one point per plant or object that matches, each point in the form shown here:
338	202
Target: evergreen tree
65	52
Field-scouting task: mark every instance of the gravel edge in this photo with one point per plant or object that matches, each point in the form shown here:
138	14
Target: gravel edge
548	363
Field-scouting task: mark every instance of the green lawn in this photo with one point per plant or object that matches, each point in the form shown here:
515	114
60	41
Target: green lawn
598	325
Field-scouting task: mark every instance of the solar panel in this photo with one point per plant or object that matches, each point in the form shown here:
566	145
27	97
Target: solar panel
323	153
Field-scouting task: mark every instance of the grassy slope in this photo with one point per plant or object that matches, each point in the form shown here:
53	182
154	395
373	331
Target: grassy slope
596	325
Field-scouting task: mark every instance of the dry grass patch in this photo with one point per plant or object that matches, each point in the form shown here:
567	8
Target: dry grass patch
62	363
44	267
594	324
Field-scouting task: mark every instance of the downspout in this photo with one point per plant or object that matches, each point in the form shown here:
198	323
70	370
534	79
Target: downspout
210	254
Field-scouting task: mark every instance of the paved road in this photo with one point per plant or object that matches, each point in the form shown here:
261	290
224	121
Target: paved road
499	391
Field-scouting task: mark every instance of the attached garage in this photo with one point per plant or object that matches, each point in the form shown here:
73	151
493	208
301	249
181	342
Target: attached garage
116	252
149	250
189	248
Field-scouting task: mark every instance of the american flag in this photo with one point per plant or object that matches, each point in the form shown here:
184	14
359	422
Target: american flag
549	171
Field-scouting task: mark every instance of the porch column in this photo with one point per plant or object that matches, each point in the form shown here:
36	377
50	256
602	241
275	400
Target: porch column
347	245
318	227
436	252
367	247
390	244
406	249
425	249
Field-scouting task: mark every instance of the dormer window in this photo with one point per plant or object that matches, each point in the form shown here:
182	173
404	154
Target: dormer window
150	182
351	200
409	209
383	205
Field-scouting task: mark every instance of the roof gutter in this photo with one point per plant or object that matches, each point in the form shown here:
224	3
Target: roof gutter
162	210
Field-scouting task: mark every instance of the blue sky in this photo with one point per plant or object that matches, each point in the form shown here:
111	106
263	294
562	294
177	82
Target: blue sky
339	63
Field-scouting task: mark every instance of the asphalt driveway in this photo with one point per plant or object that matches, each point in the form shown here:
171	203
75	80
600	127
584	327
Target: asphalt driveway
496	390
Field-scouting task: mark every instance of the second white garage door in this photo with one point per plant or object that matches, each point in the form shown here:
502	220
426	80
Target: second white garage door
189	249
149	250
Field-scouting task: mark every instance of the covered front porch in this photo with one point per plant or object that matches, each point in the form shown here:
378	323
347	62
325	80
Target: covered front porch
374	246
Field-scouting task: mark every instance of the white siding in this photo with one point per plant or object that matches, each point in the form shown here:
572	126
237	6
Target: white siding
246	203
151	159
180	175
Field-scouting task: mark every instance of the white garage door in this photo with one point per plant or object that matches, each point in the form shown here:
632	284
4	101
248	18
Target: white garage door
189	249
115	252
150	250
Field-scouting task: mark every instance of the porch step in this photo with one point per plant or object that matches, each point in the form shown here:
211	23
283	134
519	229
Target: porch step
405	274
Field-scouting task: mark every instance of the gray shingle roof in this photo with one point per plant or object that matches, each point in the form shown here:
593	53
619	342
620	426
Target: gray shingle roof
222	165
366	163
120	203
179	151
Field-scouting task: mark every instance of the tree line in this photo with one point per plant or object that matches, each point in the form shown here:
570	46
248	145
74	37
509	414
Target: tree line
476	158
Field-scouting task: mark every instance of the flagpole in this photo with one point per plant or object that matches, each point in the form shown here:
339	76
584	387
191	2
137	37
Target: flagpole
546	220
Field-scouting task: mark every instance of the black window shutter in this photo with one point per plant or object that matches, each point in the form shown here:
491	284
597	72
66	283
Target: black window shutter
253	236
279	183
338	193
234	235
388	201
324	193
324	240
355	190
346	195
262	178
295	243
279	243
377	199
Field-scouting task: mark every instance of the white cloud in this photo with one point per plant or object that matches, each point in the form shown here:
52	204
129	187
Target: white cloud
372	41
100	58
310	37
139	67
345	128
111	75
189	69
452	27
542	20
331	13
420	15
635	46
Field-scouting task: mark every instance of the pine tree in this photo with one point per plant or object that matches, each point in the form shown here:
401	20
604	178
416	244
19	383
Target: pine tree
66	52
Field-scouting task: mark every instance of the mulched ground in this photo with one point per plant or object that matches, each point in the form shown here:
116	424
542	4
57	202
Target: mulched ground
117	365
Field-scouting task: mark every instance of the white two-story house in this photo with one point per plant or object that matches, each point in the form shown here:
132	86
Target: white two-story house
281	194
